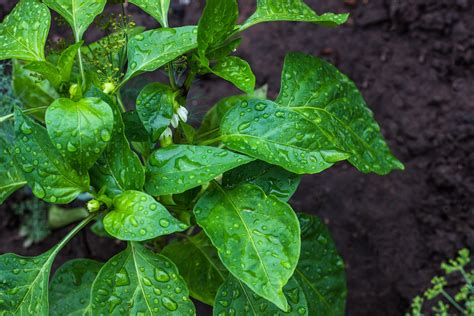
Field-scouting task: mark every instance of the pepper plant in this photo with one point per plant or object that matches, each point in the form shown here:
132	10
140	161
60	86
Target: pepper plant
204	211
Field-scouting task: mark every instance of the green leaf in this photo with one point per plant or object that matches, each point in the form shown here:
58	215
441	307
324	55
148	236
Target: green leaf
237	71
177	168
320	270
70	288
79	14
138	281
134	129
235	296
188	131
257	237
291	10
152	49
47	70
66	60
49	176
80	130
137	216
223	50
317	90
155	105
282	136
156	8
24	31
199	264
270	178
11	179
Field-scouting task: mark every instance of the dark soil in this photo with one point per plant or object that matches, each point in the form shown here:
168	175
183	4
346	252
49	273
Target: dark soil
413	61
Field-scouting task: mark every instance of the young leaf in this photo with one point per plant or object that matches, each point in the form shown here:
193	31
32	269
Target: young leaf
11	179
134	129
178	168
50	177
198	263
78	13
152	49
70	288
24	31
66	60
224	50
291	10
317	89
155	105
270	178
320	270
138	281
282	136
237	71
156	8
47	70
235	296
80	130
257	237
137	216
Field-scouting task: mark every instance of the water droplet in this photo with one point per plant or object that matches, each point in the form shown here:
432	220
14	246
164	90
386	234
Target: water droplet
164	223
105	135
133	221
243	126
25	128
71	147
169	303
38	190
161	276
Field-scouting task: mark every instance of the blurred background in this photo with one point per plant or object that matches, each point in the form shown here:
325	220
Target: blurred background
413	61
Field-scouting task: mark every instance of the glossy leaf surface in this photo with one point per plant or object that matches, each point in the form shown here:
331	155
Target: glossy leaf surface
155	107
66	60
80	130
156	8
291	10
70	288
139	282
271	179
47	70
235	297
79	14
152	49
12	178
177	168
236	71
24	31
318	90
281	136
137	216
257	237
46	172
199	264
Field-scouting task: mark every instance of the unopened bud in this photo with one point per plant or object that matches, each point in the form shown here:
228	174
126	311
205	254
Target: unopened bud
93	206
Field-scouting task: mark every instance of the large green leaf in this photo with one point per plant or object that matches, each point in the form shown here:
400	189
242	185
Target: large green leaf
12	178
257	237
156	8
291	10
282	136
47	70
235	298
139	282
78	13
24	31
80	130
137	216
237	71
51	178
272	179
70	288
199	264
177	168
152	49
320	270
155	105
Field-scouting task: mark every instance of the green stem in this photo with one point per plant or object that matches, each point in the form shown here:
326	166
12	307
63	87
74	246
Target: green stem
73	232
210	141
467	279
171	75
120	102
452	302
81	66
9	116
212	131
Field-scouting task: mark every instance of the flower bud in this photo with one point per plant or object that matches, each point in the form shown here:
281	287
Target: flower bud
93	206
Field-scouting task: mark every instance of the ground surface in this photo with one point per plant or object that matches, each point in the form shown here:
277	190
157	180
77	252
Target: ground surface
414	62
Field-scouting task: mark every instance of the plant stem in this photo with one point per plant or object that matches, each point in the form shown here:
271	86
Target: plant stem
171	75
467	279
210	141
452	301
9	116
73	232
120	102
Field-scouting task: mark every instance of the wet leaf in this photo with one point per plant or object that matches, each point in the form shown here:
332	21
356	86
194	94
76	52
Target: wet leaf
70	288
281	136
139	282
47	70
134	129
156	8
271	179
24	31
137	216
291	10
79	14
152	49
155	105
177	168
199	264
257	237
236	298
236	71
320	270
80	130
12	178
50	177
223	50
66	60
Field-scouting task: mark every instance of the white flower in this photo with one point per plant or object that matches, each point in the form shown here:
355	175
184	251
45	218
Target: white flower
182	113
166	134
175	120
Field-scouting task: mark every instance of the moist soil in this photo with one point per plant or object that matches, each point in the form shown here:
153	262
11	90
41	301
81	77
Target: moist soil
413	61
